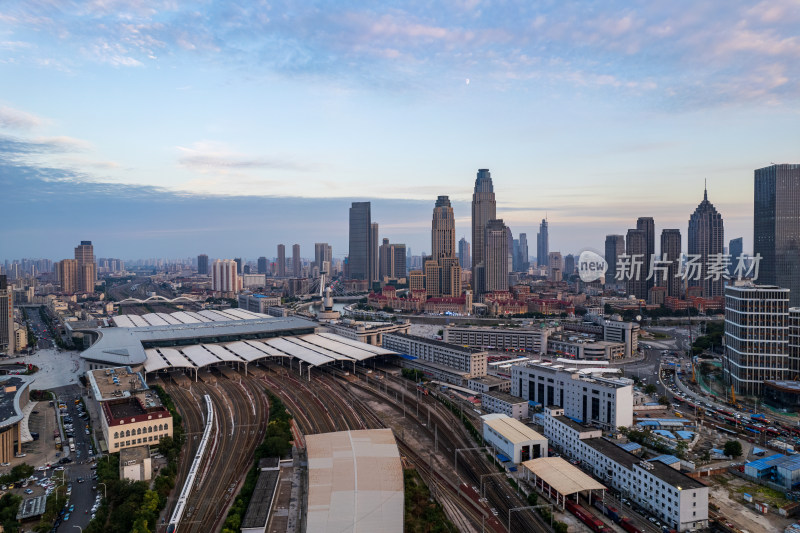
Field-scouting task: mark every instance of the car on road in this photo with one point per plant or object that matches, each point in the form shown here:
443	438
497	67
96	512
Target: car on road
28	491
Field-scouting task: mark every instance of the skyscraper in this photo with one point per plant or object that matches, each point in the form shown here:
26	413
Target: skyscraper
706	240
224	276
67	274
297	269
374	238
358	257
671	251
239	265
569	266
202	265
323	257
615	247
648	225
636	248
281	261
262	265
484	209
523	252
443	246
6	317
496	256
543	245
735	249
776	227
391	260
87	268
464	255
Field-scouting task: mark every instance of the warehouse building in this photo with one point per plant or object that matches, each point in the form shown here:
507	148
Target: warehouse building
504	403
512	438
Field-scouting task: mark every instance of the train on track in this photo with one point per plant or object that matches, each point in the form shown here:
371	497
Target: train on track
622	521
593	523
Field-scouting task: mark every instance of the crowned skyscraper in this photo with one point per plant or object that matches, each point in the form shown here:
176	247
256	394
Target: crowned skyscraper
443	247
484	209
706	239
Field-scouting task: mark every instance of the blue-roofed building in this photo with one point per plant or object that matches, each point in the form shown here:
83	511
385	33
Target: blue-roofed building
685	435
778	468
648	423
669	460
631	447
758	451
664	433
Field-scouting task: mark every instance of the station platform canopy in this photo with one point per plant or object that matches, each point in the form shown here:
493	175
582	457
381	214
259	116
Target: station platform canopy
560	476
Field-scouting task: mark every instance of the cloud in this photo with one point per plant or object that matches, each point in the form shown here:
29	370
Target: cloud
215	157
19	120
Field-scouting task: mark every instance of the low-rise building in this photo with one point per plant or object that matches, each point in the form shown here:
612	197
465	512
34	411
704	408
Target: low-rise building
258	303
512	438
528	339
489	384
677	500
578	347
14	396
135	463
504	403
368	332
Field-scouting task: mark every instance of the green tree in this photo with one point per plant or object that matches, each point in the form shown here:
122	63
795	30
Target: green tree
650	389
733	448
663	400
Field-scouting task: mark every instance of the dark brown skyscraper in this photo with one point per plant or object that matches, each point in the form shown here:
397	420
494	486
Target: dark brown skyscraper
484	209
671	251
648	225
615	247
636	247
706	239
281	261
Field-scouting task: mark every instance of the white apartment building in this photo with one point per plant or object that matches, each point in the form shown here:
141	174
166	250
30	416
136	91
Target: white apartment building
676	499
585	394
504	403
533	340
611	331
469	362
225	276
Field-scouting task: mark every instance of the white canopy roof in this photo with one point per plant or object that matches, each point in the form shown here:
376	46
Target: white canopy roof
304	354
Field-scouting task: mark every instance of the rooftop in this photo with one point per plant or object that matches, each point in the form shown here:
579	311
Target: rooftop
119	382
561	475
134	455
435	342
504	397
10	394
660	470
511	428
574	425
355	482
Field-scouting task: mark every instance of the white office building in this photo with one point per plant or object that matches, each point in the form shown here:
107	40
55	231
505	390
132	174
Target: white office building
591	395
504	403
677	500
532	339
468	362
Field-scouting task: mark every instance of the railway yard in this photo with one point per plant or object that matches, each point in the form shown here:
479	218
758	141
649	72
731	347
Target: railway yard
430	436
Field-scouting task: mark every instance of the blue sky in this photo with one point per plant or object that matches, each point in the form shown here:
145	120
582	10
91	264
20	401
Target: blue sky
173	128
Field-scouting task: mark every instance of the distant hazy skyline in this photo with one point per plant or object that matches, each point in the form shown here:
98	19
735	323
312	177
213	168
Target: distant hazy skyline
168	129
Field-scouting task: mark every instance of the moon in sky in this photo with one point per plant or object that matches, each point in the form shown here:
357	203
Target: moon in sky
467	81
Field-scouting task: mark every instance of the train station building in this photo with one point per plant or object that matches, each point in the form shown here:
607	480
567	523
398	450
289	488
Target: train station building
558	479
14	396
189	341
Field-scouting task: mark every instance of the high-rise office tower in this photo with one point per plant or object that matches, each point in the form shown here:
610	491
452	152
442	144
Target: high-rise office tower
225	276
374	237
776	227
239	265
202	265
515	256
358	257
523	252
297	269
67	274
464	256
671	251
391	260
615	247
648	225
484	209
496	256
706	239
323	257
569	266
735	249
262	265
636	248
756	337
543	244
87	268
6	316
443	246
281	261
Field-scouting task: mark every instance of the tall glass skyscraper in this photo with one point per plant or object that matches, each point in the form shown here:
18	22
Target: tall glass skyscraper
358	258
615	247
706	239
776	227
543	245
648	226
484	209
671	251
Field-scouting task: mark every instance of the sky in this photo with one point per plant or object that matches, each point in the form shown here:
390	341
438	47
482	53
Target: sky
170	128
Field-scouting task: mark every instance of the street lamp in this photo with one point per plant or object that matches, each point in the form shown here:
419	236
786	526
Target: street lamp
104	490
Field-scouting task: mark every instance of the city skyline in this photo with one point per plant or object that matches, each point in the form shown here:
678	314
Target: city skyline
121	114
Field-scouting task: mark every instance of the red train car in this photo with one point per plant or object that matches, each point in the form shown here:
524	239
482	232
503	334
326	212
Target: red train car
595	524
